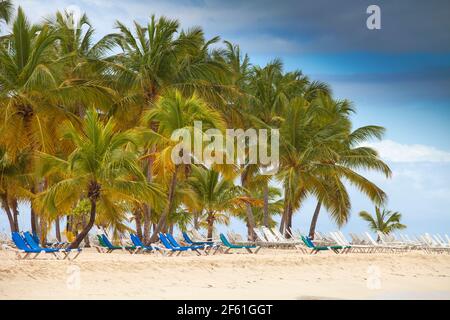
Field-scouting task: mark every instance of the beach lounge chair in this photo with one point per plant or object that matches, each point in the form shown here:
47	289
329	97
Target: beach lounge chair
342	241
24	248
104	241
175	243
316	249
299	245
231	246
189	241
209	245
139	245
262	240
272	238
29	239
175	249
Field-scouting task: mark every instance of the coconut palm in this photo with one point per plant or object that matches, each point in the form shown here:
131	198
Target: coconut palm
348	157
216	195
385	221
173	112
316	157
13	185
6	9
100	169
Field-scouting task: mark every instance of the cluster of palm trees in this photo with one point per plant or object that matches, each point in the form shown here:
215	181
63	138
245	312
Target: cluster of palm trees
85	131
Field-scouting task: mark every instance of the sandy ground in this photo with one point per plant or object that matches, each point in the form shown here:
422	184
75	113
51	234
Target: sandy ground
272	274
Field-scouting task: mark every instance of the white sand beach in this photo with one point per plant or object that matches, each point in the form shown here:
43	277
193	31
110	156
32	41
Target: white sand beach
272	274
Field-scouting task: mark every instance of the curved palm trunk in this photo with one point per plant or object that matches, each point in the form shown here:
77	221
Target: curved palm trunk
312	227
266	205
162	221
5	206
76	243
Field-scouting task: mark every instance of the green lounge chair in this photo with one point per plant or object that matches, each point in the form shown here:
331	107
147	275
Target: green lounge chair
315	249
230	246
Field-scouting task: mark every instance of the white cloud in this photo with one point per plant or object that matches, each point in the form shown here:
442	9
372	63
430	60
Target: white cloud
397	152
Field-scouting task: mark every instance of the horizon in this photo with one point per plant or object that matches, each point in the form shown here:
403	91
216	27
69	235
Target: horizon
394	79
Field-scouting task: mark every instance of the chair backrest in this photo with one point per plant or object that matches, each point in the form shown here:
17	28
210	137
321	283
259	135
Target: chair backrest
19	241
187	238
371	239
225	240
172	240
136	241
269	235
106	241
278	234
335	238
260	235
307	242
165	241
31	242
100	241
311	244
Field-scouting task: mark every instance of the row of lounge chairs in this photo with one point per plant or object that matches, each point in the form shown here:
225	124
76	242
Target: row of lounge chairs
27	246
170	246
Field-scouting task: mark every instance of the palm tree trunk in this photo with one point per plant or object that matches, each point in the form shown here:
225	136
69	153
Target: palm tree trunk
312	227
87	228
57	230
196	218
5	205
137	219
15	210
284	217
288	226
210	220
162	221
266	205
147	208
249	212
250	222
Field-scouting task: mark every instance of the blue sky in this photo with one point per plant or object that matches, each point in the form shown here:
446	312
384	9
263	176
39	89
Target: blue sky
397	77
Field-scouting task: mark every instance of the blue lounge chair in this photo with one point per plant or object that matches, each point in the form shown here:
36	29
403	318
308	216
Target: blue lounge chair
175	243
32	243
172	249
190	242
138	243
23	247
209	245
230	246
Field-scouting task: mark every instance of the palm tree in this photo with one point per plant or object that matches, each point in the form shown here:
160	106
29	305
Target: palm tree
13	185
385	221
6	8
155	58
173	112
100	169
34	94
216	195
347	158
